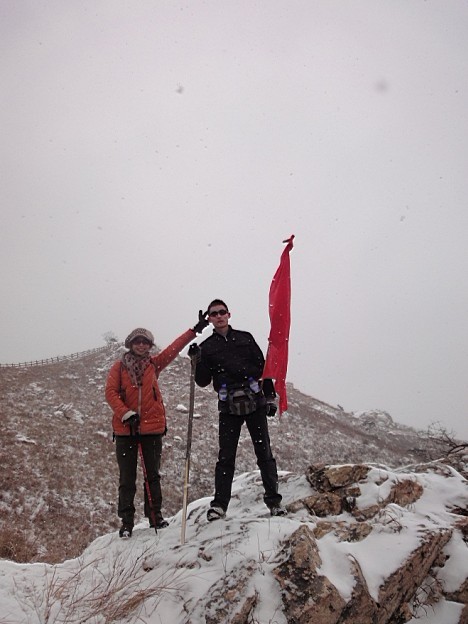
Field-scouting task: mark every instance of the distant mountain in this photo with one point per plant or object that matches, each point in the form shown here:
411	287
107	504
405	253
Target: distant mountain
58	485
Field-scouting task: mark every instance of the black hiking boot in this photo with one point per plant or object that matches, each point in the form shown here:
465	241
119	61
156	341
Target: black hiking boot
160	524
125	531
277	510
215	513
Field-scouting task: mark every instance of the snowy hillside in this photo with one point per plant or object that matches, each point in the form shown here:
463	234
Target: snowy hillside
383	547
58	492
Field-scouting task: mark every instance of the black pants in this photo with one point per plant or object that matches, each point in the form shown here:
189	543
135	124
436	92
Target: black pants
229	431
127	458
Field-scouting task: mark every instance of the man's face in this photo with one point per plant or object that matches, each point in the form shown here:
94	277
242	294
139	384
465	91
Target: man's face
219	317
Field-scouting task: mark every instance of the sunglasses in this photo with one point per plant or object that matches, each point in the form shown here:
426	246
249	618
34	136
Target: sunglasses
141	341
218	313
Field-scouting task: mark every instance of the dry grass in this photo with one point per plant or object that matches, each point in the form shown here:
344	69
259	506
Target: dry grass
87	595
15	545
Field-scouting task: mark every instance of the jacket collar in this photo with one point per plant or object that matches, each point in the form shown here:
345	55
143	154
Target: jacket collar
218	334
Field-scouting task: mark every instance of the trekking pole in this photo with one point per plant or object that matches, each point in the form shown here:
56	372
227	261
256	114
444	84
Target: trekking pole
193	362
143	467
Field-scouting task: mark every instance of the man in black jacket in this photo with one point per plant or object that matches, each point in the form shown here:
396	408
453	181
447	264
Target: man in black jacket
233	361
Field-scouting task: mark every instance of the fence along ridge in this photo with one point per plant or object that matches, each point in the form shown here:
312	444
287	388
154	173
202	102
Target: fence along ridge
59	358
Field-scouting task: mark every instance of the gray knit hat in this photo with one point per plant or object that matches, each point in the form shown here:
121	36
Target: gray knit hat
144	333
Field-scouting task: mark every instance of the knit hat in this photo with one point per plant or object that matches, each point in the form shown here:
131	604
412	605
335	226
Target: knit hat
144	333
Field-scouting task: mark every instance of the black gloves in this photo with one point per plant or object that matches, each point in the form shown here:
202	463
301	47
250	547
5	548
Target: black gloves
194	352
202	322
132	419
271	409
268	388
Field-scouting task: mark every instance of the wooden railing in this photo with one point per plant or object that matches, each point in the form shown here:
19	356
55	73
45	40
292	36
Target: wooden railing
59	358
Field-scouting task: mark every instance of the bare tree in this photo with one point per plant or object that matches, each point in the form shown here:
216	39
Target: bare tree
110	338
444	439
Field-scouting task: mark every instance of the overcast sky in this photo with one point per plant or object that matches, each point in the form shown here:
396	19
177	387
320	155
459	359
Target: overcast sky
154	155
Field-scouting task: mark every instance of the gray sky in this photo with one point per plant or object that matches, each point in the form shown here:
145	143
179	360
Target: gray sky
156	154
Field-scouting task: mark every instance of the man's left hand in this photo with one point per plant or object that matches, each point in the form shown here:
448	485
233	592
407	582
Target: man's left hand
202	322
271	409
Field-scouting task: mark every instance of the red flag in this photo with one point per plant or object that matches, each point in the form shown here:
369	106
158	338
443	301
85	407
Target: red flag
276	363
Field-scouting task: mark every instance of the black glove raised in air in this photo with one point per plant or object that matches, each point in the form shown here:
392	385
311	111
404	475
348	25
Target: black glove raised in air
202	322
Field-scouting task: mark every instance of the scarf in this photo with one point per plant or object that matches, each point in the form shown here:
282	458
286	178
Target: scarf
136	366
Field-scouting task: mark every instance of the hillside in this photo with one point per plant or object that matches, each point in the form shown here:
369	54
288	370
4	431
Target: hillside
58	492
361	545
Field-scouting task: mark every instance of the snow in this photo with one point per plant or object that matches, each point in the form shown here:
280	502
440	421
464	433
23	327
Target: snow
444	612
25	439
376	488
379	555
133	580
335	562
455	572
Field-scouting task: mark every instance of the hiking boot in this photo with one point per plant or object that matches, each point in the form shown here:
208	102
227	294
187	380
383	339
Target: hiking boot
277	510
215	513
160	524
125	531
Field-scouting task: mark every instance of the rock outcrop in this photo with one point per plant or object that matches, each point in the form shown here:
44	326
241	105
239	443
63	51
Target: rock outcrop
309	596
361	544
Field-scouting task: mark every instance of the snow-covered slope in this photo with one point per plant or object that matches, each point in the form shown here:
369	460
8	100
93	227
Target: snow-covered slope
233	570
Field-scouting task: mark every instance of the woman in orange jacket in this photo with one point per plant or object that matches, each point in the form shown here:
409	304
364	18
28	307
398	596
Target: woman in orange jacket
139	418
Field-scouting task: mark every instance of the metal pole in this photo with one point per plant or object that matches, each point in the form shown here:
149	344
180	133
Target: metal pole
193	363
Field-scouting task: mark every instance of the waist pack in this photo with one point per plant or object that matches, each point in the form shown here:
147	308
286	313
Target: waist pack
241	401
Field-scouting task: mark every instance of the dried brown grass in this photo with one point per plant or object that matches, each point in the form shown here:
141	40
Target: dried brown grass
16	545
88	595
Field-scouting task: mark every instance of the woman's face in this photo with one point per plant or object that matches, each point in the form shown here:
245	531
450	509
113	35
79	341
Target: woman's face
140	346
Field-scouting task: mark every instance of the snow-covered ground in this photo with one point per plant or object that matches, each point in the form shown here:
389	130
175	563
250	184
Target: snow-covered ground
158	579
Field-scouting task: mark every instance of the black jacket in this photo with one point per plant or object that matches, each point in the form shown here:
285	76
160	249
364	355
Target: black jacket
231	360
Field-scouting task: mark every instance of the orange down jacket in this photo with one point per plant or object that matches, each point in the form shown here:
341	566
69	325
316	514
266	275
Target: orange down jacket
122	396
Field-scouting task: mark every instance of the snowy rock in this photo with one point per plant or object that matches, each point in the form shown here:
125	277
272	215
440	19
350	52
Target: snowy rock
374	418
407	561
308	595
25	439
